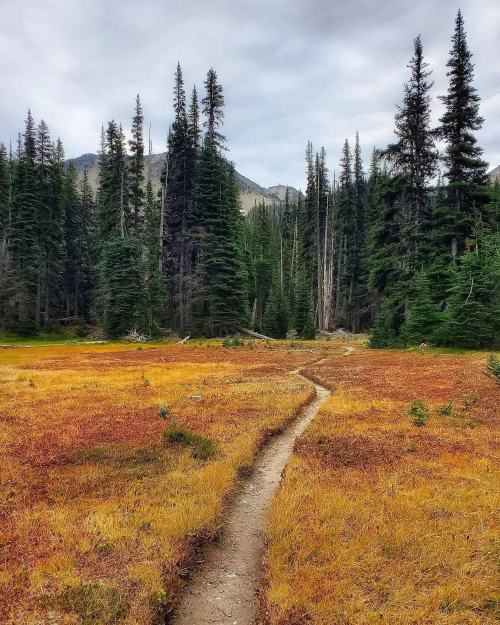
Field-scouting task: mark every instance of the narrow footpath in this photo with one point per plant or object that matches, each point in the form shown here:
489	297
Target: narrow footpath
224	589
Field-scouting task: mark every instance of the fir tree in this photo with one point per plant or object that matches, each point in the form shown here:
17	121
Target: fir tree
276	317
24	236
179	198
422	318
414	155
152	266
473	317
4	193
136	170
124	296
465	169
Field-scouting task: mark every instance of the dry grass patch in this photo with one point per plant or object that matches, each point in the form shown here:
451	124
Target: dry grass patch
383	521
100	509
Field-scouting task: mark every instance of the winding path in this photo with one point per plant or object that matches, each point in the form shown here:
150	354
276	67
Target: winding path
224	590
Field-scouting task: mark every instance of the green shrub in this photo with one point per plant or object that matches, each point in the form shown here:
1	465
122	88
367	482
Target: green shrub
469	398
419	410
201	448
494	367
164	412
96	603
233	341
446	409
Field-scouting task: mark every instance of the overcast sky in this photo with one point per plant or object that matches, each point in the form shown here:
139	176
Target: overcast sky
292	70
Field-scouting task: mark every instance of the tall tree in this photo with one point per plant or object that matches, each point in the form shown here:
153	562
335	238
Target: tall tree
414	156
24	237
4	193
136	170
465	169
220	279
179	198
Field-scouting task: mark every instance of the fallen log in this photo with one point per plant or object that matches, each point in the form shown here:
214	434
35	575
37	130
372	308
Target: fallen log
255	335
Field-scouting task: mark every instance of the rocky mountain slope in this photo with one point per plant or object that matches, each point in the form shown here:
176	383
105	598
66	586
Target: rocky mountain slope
251	193
494	174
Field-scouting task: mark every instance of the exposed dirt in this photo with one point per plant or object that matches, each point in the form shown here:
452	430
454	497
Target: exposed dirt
224	589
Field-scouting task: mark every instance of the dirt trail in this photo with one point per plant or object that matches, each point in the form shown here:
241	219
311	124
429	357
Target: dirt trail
224	590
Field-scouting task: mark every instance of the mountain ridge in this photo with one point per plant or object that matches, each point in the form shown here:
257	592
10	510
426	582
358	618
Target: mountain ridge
251	192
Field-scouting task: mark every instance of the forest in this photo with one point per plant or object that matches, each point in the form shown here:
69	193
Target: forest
405	247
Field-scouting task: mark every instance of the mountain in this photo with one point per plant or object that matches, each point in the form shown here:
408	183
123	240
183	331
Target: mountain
250	192
494	174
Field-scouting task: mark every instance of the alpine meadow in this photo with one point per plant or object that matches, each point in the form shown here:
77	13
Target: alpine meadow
237	403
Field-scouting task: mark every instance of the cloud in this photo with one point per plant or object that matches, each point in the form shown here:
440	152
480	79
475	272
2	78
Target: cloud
311	69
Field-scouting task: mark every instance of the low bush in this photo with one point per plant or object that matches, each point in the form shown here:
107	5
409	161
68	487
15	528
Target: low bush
446	409
96	603
494	367
201	448
419	410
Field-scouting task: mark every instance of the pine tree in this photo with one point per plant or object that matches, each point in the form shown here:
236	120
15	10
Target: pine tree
136	170
152	267
213	110
24	237
473	317
179	198
4	193
276	316
220	279
124	296
414	155
465	169
422	319
304	312
113	208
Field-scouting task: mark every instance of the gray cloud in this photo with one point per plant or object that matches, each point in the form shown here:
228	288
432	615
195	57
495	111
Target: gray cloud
292	71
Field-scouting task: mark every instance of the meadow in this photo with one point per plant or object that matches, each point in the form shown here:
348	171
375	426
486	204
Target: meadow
116	461
387	513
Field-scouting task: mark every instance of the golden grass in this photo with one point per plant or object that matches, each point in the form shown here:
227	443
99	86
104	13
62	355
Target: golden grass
381	521
98	515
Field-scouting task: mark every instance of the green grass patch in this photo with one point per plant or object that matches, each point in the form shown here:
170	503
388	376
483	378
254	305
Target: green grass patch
201	448
95	603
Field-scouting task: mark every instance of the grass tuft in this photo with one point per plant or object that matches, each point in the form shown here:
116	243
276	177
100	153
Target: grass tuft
201	448
96	603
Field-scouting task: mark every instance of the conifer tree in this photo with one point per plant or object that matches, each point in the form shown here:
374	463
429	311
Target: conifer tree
4	193
465	169
276	317
220	278
473	317
136	170
152	267
24	236
179	198
414	155
422	318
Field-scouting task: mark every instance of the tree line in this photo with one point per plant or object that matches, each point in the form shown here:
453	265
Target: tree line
408	250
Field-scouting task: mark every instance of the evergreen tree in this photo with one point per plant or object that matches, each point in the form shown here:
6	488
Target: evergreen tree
136	171
179	198
304	312
473	317
124	296
152	263
465	169
422	319
276	317
4	193
220	280
414	155
24	237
